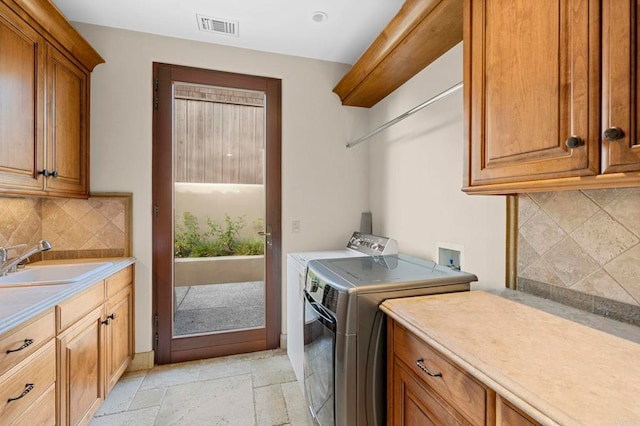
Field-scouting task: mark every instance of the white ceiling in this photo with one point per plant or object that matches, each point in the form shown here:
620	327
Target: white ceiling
280	26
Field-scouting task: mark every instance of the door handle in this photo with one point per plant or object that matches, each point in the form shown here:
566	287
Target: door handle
267	234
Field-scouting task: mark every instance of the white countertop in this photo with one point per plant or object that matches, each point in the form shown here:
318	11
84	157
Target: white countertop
19	304
554	369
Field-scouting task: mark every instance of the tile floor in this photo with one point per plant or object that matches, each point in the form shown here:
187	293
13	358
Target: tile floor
217	307
239	390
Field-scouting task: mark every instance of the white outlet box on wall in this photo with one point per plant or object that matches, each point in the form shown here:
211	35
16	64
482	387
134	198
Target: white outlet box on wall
451	255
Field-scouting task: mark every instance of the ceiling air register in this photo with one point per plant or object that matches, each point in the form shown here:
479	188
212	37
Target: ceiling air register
217	25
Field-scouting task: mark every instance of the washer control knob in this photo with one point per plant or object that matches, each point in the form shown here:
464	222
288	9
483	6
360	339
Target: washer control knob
314	285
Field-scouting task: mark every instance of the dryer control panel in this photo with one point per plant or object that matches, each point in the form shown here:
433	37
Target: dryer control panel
372	245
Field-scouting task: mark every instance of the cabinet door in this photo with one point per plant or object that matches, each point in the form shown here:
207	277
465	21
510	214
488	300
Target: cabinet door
66	143
531	82
508	415
21	104
80	355
413	404
119	336
620	86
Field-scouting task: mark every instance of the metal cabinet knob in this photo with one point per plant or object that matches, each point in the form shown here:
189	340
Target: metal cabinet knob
573	142
613	134
47	173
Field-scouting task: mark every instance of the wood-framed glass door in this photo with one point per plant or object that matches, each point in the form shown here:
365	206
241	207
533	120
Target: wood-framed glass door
214	101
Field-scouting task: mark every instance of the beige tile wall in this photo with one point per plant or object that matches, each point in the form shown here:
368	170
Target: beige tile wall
587	241
20	221
96	227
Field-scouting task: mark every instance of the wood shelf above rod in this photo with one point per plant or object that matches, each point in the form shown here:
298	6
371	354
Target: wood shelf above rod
421	32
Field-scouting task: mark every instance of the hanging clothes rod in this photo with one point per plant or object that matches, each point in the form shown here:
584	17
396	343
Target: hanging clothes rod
413	110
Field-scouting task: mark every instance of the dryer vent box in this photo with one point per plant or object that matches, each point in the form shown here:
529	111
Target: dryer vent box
450	255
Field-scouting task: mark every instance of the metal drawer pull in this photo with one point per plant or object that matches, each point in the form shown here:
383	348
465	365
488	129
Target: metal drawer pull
28	388
26	344
421	366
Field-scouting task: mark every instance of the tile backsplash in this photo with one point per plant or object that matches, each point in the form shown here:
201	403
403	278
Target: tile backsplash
20	221
582	248
95	227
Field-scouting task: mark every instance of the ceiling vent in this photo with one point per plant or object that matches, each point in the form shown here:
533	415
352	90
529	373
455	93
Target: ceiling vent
217	25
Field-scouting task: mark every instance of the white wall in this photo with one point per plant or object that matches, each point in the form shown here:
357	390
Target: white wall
324	185
416	176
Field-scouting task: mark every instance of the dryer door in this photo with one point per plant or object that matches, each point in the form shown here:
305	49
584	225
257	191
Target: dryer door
319	361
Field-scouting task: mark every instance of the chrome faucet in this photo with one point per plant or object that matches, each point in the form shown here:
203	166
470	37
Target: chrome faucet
10	265
4	251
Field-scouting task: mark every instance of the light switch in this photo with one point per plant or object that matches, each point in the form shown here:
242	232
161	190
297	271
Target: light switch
295	226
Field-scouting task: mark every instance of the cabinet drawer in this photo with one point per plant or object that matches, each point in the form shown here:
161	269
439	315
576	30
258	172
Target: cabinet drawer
41	412
34	378
29	337
414	405
455	386
119	280
70	311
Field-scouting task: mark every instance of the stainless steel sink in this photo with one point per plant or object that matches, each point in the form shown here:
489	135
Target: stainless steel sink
52	274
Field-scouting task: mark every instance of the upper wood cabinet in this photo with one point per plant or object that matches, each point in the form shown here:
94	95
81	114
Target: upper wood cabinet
419	33
45	68
22	58
67	133
620	86
536	117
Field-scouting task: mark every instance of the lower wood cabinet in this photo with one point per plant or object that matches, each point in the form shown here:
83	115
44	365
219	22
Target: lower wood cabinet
427	388
508	415
41	412
58	367
28	372
94	345
16	345
80	357
415	405
119	342
22	387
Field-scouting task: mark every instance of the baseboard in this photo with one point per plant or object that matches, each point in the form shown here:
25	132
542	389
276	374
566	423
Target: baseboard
141	361
283	340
